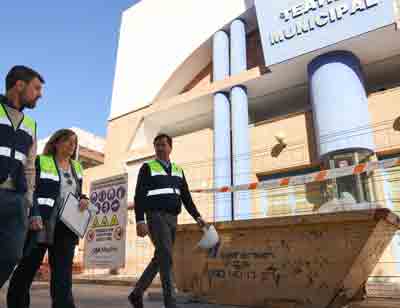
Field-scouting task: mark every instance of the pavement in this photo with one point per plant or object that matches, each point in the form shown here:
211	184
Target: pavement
103	291
100	296
107	279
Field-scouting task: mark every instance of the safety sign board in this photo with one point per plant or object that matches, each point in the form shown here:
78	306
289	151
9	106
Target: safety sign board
105	238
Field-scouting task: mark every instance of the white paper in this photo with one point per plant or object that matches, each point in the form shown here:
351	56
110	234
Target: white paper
73	217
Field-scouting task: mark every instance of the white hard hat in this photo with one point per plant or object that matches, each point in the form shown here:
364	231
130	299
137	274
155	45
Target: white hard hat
210	238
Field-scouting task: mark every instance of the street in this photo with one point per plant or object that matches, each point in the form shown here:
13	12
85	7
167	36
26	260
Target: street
106	296
93	296
86	296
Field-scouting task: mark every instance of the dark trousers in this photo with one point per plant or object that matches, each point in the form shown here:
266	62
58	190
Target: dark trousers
162	228
61	255
13	226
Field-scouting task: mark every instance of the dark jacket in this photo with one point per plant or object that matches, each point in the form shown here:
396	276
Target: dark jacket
49	189
170	203
17	142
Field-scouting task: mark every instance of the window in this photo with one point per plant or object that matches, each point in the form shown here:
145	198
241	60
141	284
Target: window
352	188
290	200
390	179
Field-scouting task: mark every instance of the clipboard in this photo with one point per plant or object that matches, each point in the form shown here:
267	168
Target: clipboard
75	219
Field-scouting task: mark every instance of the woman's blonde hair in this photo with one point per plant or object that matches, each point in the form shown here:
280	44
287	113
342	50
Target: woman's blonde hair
60	135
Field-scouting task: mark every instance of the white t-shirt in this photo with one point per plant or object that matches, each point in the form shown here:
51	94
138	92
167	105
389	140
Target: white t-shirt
68	183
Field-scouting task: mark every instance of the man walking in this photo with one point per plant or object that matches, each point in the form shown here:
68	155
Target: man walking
17	159
160	190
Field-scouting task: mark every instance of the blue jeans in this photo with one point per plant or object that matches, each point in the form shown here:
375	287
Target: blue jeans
13	227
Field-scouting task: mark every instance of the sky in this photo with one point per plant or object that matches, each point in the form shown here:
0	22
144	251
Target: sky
73	45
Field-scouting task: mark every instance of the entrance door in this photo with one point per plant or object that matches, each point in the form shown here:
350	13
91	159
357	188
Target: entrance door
351	188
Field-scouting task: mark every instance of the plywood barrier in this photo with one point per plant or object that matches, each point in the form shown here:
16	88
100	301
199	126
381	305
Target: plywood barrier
308	261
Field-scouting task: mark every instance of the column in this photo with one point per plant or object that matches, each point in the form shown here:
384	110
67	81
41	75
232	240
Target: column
220	56
222	129
341	116
340	104
241	150
238	47
241	153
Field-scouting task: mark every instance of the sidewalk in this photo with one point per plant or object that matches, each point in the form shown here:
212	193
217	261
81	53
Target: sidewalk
374	289
381	295
107	279
154	297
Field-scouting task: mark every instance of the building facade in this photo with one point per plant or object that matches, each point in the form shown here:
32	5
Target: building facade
258	90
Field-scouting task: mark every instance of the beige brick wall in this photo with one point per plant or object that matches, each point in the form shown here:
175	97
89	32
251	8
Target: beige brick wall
384	108
195	153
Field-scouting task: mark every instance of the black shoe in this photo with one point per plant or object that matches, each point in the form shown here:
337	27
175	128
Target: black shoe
136	300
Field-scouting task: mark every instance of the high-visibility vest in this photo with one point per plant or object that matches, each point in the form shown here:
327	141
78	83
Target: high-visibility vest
48	182
15	144
162	183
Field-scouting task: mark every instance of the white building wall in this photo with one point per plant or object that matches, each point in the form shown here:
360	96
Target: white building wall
156	37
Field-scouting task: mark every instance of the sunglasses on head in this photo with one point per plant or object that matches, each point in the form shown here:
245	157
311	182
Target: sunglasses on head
68	177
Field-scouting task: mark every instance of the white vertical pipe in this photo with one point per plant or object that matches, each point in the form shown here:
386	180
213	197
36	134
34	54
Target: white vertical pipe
238	47
241	151
220	55
222	129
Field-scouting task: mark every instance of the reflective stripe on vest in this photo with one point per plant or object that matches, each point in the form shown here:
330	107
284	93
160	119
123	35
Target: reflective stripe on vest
4	120
49	176
20	156
46	201
163	191
4	151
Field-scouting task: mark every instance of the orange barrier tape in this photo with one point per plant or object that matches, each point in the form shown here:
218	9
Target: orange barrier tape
318	176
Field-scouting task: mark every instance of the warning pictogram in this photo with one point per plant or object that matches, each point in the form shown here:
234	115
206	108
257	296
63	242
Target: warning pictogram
118	232
111	194
121	193
115	205
95	223
104	222
98	205
103	196
90	235
105	207
114	221
93	197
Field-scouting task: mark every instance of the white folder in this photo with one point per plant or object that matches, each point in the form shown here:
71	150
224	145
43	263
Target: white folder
75	219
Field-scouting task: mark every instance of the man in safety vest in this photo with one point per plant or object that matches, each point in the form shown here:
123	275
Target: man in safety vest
160	190
17	163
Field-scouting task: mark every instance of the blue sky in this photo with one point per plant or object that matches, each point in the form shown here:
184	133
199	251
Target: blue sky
73	44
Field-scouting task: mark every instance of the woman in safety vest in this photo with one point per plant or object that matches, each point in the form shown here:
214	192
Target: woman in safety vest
57	175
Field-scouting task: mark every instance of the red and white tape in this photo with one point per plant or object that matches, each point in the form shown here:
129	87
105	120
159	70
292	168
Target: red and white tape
318	176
